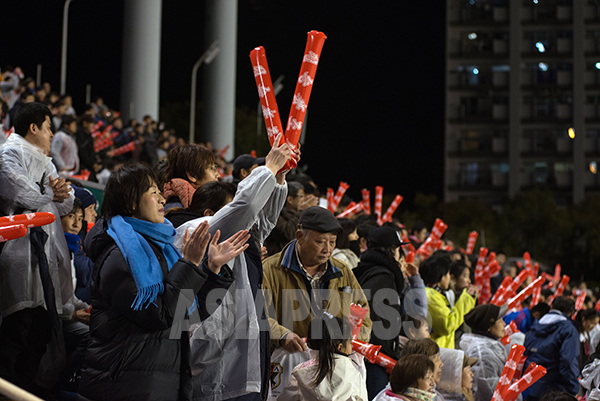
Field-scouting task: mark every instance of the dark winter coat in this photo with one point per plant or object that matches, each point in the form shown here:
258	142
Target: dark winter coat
553	342
131	355
376	272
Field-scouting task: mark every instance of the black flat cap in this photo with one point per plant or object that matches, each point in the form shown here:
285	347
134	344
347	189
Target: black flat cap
319	219
482	317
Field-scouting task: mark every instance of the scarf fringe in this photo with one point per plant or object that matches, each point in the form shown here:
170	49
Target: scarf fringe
146	296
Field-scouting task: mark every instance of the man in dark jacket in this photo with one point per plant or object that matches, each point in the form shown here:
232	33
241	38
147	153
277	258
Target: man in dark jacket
553	342
379	270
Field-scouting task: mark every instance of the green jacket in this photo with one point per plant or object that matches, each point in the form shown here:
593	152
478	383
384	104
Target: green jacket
445	321
291	310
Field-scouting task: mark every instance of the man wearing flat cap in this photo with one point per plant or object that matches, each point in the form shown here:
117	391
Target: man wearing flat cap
303	281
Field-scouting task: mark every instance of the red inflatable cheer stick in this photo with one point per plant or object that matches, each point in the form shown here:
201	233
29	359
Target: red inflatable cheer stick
366	201
409	247
357	315
386	362
559	290
501	290
130	147
471	242
557	274
519	371
8	233
28	220
338	195
330	200
509	330
516	351
367	350
308	70
536	269
527	260
479	266
527	291
266	93
410	257
580	300
535	297
524	382
378	201
521	277
351	210
390	210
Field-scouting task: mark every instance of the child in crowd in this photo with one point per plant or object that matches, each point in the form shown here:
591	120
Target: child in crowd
412	379
435	272
332	375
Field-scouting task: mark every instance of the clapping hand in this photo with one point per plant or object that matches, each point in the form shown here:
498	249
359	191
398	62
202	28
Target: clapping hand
220	254
195	247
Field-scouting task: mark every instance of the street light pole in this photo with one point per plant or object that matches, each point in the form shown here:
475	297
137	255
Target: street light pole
207	57
63	60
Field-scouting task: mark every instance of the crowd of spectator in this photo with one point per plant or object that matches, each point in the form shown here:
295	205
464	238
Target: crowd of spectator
202	279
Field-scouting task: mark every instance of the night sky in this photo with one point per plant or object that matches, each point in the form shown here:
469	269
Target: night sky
376	112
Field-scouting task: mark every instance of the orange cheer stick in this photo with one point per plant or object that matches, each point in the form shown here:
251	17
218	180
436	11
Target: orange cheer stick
357	315
516	351
471	242
527	291
266	93
308	70
385	362
367	350
501	290
366	201
29	220
339	194
8	233
351	210
524	383
387	216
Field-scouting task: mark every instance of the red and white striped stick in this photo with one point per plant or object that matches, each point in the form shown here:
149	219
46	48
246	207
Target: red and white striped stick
408	247
557	269
501	290
351	210
559	290
524	383
535	297
266	93
339	194
330	200
367	350
15	231
387	216
471	242
410	257
527	291
516	351
580	301
28	220
527	260
513	287
386	362
130	147
378	201
308	70
366	201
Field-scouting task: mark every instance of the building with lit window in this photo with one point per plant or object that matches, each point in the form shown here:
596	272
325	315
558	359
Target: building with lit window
522	98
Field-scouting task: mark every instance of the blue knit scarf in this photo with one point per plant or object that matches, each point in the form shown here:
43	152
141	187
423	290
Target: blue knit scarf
141	259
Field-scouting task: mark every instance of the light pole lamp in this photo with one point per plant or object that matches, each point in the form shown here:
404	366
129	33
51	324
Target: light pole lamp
207	57
63	59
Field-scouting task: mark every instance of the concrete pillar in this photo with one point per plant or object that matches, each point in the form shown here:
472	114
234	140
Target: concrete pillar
579	163
140	69
220	75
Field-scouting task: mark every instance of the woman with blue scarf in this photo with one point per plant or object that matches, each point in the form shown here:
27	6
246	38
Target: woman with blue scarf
143	290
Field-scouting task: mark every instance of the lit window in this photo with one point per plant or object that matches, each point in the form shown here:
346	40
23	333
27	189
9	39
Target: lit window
543	66
593	167
571	133
540	46
472	36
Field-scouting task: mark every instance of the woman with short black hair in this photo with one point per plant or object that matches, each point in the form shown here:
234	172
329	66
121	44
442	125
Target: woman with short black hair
142	289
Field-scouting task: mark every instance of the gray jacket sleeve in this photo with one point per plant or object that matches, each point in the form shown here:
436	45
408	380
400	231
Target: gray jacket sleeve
415	299
56	149
253	193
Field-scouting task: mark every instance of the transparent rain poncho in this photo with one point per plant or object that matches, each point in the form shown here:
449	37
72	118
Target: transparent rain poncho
450	385
24	175
225	347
